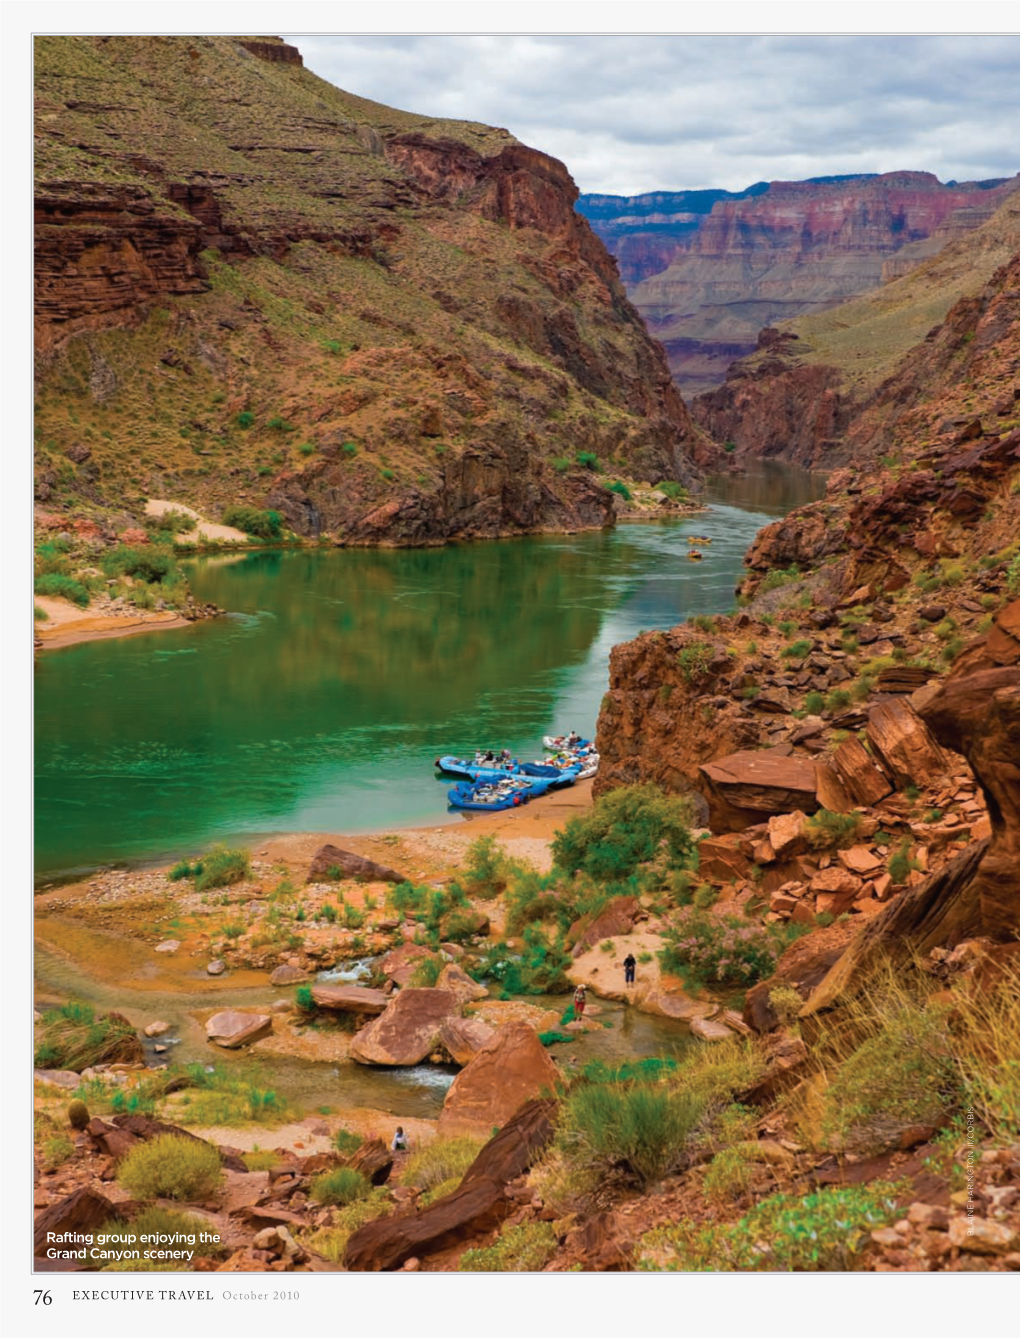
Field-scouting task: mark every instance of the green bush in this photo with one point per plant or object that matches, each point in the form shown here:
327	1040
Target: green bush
347	1141
561	463
308	448
623	829
40	615
303	999
170	522
427	971
644	1128
814	703
620	489
342	1185
78	1115
778	577
63	587
822	1232
245	419
184	869
443	1159
526	1248
900	864
837	700
486	871
718	951
694	661
387	474
350	449
170	1167
825	830
588	460
797	650
676	492
260	524
221	867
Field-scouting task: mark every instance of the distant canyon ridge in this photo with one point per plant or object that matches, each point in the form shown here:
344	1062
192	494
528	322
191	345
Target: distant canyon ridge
709	269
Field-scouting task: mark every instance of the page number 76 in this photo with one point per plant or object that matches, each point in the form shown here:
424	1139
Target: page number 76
45	1297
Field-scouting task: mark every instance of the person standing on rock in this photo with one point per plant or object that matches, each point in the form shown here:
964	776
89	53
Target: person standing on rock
580	999
399	1143
629	968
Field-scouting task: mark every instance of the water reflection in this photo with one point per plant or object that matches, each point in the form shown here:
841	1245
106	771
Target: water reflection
321	701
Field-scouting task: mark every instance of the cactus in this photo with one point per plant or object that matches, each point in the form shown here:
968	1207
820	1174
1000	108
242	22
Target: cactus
78	1115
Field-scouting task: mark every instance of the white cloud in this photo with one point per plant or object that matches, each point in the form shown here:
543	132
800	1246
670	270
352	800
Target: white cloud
631	114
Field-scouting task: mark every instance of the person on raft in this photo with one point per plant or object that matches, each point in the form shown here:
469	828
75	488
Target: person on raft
573	738
629	968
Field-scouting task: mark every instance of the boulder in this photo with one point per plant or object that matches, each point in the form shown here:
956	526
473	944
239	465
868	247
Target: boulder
787	834
463	1037
455	979
860	860
231	1029
721	859
289	975
746	785
903	745
836	889
831	791
65	1078
511	1069
478	1206
400	964
169	946
406	1033
616	917
83	1211
217	967
858	775
350	999
678	1007
708	1029
157	1029
329	857
373	1160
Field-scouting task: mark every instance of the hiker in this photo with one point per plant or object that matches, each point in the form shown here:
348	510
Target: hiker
580	999
399	1143
629	967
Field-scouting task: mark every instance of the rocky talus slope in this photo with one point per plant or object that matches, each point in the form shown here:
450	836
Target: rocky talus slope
255	287
708	270
879	375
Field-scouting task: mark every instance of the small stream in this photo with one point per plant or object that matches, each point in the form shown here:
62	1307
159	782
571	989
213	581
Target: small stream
416	1092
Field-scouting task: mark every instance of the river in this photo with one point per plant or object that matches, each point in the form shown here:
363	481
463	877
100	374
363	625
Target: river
321	699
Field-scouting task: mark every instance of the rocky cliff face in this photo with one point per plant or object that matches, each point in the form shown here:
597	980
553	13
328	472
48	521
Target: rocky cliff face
874	377
388	326
770	254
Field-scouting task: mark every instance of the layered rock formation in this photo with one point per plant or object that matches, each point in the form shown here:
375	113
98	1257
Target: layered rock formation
735	263
881	374
382	325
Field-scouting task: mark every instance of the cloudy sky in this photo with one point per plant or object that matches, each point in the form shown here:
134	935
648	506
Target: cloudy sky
631	114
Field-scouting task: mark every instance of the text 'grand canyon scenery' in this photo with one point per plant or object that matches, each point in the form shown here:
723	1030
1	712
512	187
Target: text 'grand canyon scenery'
527	689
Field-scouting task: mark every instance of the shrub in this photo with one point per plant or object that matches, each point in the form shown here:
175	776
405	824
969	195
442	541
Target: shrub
620	489
561	463
588	460
778	577
1013	576
63	587
245	419
228	1096
486	871
705	951
426	972
72	1037
826	1231
518	1249
260	524
221	867
350	449
58	1150
40	615
826	831
797	650
308	448
676	492
340	1186
78	1115
171	1167
261	1159
837	700
729	1177
694	662
900	863
645	1128
814	703
347	1141
705	897
183	869
441	1160
622	830
331	1242
303	999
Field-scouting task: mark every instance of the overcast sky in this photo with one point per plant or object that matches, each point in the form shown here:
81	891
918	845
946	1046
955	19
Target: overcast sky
632	114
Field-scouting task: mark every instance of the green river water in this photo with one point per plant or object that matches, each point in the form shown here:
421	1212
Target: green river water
319	702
